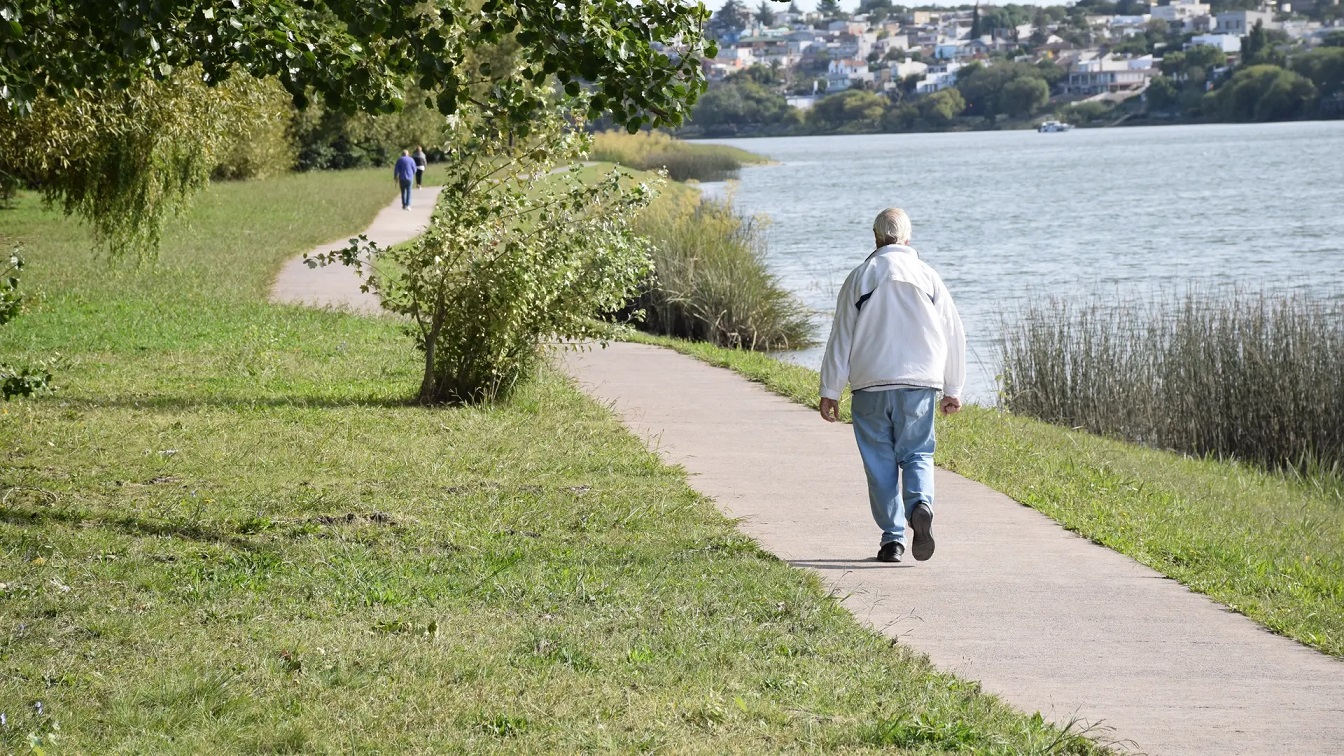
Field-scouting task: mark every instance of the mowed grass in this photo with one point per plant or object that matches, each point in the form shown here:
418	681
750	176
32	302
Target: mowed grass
229	532
1268	545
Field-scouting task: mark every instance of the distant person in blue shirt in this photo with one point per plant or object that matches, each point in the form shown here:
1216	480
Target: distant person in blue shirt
404	170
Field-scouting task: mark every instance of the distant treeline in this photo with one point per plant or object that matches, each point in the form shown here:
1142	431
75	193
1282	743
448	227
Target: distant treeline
1195	85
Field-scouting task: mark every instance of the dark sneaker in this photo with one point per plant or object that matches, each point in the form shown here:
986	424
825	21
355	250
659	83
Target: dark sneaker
890	552
921	522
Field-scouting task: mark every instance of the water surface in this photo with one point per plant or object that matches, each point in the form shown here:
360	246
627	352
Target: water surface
1012	217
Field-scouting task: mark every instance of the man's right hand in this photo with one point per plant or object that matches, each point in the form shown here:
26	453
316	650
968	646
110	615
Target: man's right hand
950	405
830	410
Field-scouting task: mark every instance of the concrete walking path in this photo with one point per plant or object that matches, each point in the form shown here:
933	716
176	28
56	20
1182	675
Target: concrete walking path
1041	617
337	286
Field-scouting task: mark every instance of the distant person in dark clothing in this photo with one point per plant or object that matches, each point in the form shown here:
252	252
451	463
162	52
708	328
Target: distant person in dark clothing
404	171
420	162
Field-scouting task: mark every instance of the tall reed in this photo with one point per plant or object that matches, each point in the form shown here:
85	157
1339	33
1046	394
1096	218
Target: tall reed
711	282
1254	377
654	150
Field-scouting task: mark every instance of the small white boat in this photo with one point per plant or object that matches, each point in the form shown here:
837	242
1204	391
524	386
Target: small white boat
1052	126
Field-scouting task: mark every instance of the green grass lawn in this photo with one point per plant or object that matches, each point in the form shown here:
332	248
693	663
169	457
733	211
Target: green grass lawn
230	532
1266	545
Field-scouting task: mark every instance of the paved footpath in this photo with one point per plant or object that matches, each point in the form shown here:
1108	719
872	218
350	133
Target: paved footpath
1047	620
337	286
1041	617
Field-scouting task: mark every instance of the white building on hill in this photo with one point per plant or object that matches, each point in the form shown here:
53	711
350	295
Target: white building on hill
1228	43
1240	22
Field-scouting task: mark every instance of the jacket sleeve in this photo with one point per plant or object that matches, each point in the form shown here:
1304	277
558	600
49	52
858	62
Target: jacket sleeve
954	371
835	363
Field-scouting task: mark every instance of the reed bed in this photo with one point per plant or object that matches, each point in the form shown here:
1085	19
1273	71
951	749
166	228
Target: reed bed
711	282
683	161
1253	377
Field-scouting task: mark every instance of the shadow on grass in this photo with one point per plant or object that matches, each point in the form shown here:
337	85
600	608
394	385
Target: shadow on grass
133	526
182	403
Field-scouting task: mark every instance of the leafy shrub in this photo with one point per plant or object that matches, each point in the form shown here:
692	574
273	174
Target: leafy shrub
1256	378
711	282
1087	112
516	255
23	380
260	146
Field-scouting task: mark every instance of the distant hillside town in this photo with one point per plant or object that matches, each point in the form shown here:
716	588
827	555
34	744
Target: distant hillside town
891	68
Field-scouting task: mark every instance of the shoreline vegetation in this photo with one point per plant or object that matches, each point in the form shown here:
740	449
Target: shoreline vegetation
231	530
683	161
709	280
1269	545
1214	373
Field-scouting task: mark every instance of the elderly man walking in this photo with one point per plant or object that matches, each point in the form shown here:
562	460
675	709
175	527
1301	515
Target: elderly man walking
897	341
404	172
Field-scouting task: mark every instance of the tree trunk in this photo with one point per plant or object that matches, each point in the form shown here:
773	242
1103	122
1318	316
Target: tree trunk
429	387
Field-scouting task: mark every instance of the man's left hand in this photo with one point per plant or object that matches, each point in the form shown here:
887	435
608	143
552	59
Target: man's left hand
950	405
830	410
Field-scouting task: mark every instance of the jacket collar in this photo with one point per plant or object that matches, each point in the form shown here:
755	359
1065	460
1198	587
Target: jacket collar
893	249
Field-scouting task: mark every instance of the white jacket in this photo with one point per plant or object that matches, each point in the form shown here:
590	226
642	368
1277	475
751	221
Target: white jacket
895	325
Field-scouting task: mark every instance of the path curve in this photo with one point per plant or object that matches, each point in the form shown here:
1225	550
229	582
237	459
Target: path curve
1047	620
1041	617
337	286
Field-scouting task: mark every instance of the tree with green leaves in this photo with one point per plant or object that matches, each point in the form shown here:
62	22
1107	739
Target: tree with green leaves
829	9
128	78
1264	93
765	14
1255	48
127	158
852	110
1173	64
1324	66
1207	57
941	108
1162	93
728	21
747	101
1023	96
987	91
1040	28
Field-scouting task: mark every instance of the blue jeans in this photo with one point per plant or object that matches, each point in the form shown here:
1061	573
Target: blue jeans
894	429
405	192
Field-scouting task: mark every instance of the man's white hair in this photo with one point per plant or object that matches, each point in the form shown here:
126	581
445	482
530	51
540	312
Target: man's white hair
892	227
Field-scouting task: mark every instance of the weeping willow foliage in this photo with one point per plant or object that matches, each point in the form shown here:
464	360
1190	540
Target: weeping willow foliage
126	160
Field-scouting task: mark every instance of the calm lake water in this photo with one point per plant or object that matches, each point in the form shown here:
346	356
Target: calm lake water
1009	218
